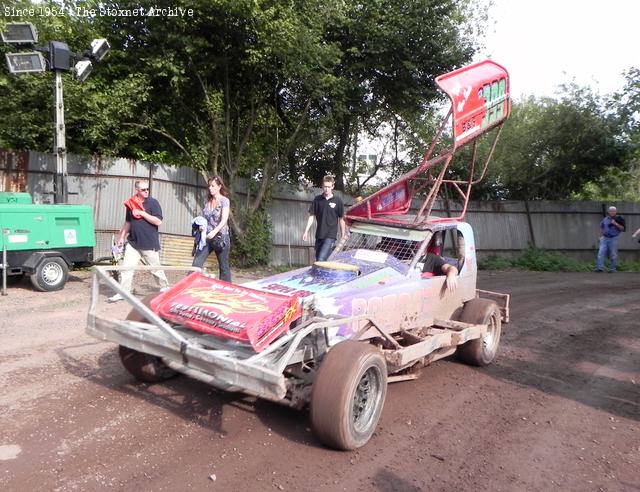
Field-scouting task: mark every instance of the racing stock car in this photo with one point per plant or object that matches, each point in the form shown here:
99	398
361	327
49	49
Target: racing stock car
331	336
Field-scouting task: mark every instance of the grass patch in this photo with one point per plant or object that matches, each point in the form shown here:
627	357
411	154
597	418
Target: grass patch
494	262
540	260
629	266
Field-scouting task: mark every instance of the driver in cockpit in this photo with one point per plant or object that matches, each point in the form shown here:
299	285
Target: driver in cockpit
434	264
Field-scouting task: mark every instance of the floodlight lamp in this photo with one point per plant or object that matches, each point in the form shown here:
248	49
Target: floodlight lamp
59	56
99	48
25	62
19	32
83	69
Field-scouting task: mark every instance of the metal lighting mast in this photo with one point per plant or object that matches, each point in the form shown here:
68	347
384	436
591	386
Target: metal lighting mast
57	64
59	59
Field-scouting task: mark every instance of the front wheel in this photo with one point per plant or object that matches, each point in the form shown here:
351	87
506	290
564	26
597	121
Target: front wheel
348	395
144	367
481	351
51	274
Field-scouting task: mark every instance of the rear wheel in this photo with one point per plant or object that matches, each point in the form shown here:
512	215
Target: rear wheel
481	351
348	395
51	274
144	367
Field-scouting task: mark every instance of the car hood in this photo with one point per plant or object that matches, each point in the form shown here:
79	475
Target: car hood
331	278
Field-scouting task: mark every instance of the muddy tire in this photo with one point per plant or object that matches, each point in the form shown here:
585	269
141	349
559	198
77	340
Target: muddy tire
51	274
144	367
481	351
348	395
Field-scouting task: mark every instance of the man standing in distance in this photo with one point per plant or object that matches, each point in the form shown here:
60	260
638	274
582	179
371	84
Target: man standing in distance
328	211
141	227
610	228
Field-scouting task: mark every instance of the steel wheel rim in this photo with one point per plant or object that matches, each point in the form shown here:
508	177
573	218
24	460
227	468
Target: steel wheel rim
488	340
366	400
51	273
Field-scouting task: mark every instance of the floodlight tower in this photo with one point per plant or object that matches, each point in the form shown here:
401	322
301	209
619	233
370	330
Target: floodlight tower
59	61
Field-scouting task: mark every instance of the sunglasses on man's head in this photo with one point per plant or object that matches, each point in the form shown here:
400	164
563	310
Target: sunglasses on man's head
143	189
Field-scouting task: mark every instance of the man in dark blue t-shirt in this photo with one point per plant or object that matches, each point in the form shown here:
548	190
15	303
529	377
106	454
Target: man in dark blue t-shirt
610	228
141	227
328	211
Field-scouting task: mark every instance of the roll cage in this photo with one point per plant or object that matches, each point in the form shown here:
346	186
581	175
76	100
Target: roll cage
405	244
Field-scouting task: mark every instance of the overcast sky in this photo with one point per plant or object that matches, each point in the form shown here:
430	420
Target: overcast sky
544	43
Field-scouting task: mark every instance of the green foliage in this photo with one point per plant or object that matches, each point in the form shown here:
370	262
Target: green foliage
550	148
494	262
391	52
96	112
102	121
254	247
26	106
537	260
629	266
613	185
621	183
266	89
281	90
546	261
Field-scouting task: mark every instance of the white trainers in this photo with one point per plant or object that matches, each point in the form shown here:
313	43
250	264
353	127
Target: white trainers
115	298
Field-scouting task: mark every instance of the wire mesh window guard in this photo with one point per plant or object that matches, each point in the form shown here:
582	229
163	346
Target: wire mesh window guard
402	249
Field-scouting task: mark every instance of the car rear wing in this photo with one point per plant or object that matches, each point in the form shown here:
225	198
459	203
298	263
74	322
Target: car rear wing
480	102
479	97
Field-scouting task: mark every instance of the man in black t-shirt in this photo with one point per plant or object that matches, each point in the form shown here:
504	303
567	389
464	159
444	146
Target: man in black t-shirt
328	211
141	227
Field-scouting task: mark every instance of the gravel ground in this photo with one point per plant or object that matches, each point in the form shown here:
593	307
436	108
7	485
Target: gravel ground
559	409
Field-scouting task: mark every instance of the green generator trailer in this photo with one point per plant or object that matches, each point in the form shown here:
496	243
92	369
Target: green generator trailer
44	241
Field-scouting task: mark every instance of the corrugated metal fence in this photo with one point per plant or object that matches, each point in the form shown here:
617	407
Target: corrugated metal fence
503	227
104	183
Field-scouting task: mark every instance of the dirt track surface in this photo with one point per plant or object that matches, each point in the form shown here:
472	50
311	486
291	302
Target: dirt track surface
559	409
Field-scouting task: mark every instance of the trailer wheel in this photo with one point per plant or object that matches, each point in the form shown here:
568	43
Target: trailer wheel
144	367
348	395
51	274
481	351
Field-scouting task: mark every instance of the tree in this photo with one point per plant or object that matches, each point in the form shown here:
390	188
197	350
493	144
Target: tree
621	182
94	110
260	89
550	148
391	53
